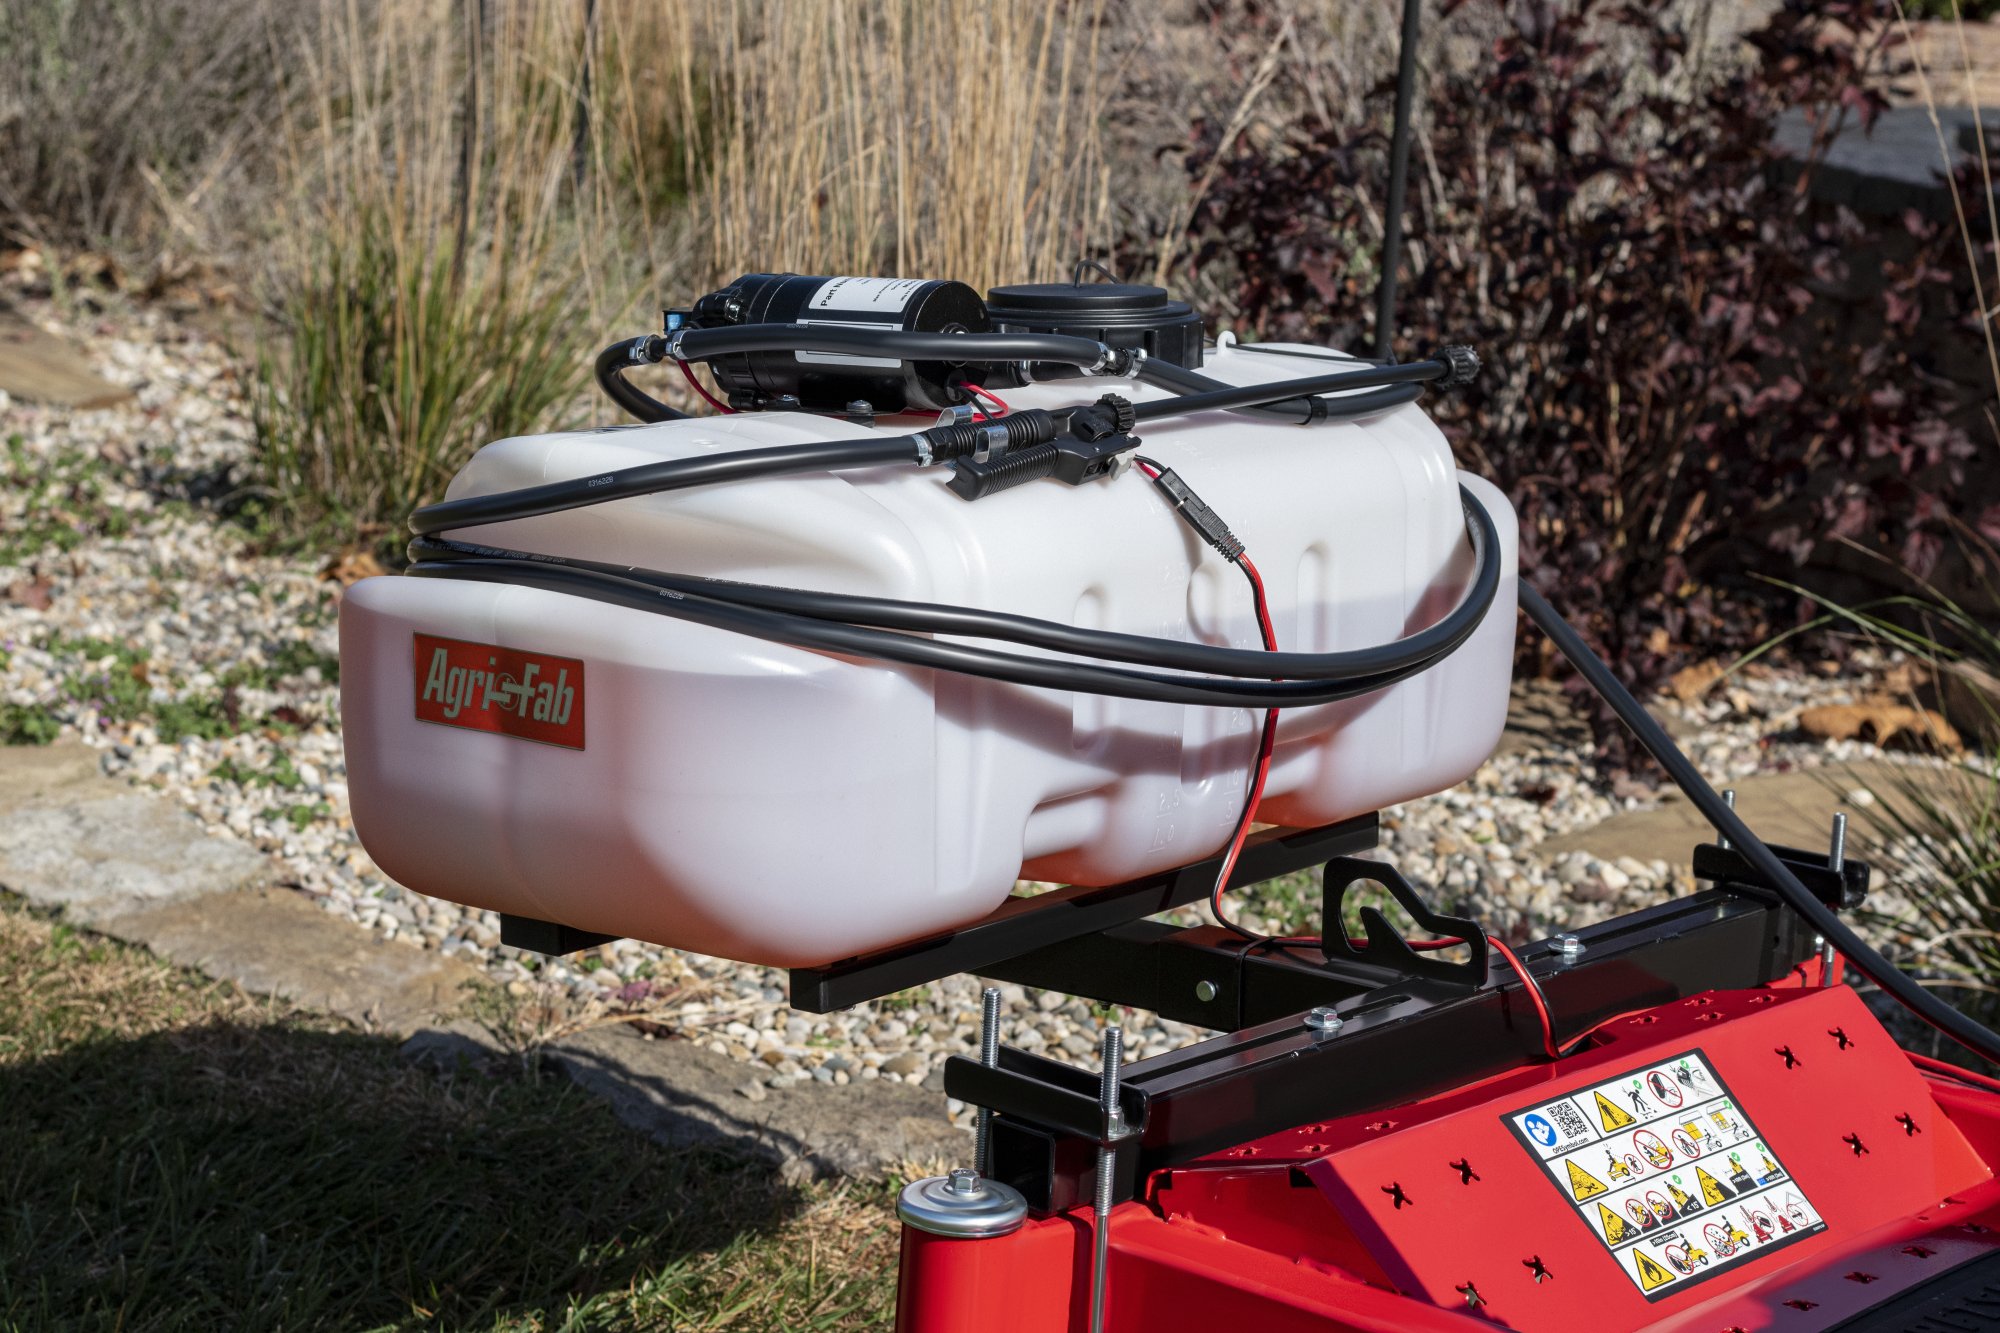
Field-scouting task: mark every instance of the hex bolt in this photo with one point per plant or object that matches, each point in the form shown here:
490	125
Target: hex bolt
1569	946
962	1180
1205	991
1113	1055
1322	1022
1728	799
989	1055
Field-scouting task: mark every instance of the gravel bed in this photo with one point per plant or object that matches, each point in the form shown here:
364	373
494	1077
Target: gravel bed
133	618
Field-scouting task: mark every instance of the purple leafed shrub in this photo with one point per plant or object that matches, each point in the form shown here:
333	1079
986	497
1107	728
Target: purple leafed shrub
1673	397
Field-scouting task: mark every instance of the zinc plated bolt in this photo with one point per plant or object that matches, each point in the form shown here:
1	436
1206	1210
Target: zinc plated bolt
1322	1022
1205	991
1569	946
1107	1163
989	1055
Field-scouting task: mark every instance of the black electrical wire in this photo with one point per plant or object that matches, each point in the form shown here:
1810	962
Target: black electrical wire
614	361
1973	1036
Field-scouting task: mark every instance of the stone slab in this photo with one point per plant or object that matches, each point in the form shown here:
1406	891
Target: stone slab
276	942
683	1095
74	839
1795	809
42	368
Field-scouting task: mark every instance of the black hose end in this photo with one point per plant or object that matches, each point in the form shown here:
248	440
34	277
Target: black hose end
1461	365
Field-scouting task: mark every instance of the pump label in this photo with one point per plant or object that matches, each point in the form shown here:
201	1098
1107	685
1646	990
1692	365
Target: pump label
1664	1167
874	296
484	687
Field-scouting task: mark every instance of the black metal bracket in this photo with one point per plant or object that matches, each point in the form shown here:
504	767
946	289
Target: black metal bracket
1843	889
548	937
1024	926
1382	944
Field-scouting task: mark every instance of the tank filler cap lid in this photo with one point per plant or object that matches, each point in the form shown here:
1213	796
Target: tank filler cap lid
1088	302
962	1206
1123	314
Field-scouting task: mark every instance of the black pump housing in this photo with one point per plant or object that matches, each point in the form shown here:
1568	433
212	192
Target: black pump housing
831	382
1118	314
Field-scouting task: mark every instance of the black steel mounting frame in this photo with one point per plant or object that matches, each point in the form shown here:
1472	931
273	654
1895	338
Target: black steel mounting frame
1272	1068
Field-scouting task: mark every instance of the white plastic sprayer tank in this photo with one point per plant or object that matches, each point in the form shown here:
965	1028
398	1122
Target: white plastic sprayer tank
727	795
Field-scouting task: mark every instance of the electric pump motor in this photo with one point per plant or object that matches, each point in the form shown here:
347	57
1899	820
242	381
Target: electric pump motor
833	381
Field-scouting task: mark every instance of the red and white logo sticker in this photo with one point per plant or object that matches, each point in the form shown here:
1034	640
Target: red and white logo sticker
484	687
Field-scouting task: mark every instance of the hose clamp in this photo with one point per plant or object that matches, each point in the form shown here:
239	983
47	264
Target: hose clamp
925	455
671	347
1121	362
995	442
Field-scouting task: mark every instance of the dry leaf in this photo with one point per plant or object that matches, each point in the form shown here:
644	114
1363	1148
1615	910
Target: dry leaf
1880	721
1690	683
32	593
350	567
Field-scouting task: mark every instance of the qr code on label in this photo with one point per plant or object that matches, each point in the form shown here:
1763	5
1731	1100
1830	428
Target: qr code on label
1568	1121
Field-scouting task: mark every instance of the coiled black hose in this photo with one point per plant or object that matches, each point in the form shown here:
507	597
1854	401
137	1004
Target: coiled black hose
760	613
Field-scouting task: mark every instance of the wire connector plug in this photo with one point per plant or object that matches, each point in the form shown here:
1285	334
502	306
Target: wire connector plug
1207	524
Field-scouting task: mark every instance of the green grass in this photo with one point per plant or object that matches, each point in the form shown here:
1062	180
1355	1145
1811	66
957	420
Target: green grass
181	1157
62	503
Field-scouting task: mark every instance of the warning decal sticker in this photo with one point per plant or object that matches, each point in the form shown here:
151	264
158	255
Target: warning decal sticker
1668	1173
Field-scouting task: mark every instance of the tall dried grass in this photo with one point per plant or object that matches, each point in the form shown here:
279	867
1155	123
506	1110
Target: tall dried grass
449	248
478	195
933	138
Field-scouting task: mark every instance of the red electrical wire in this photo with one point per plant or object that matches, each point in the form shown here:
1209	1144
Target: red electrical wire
1944	1070
1534	997
687	372
986	396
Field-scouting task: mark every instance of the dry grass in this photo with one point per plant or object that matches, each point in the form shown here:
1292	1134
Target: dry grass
936	138
478	196
449	248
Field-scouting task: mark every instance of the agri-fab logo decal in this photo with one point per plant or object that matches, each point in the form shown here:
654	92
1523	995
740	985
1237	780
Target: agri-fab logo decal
484	687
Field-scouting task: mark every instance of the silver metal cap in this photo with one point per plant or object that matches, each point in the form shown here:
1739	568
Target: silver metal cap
962	1205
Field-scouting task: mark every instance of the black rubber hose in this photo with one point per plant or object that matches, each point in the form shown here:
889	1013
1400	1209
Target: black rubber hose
1235	397
653	478
912	650
903	344
1426	646
718	606
614	361
1292	411
1896	983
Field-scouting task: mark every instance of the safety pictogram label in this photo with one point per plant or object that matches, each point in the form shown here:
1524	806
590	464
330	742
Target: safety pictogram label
1583	1185
1667	1170
1651	1273
1610	1116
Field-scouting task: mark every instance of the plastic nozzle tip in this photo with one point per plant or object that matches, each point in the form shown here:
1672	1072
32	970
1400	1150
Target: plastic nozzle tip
1462	365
